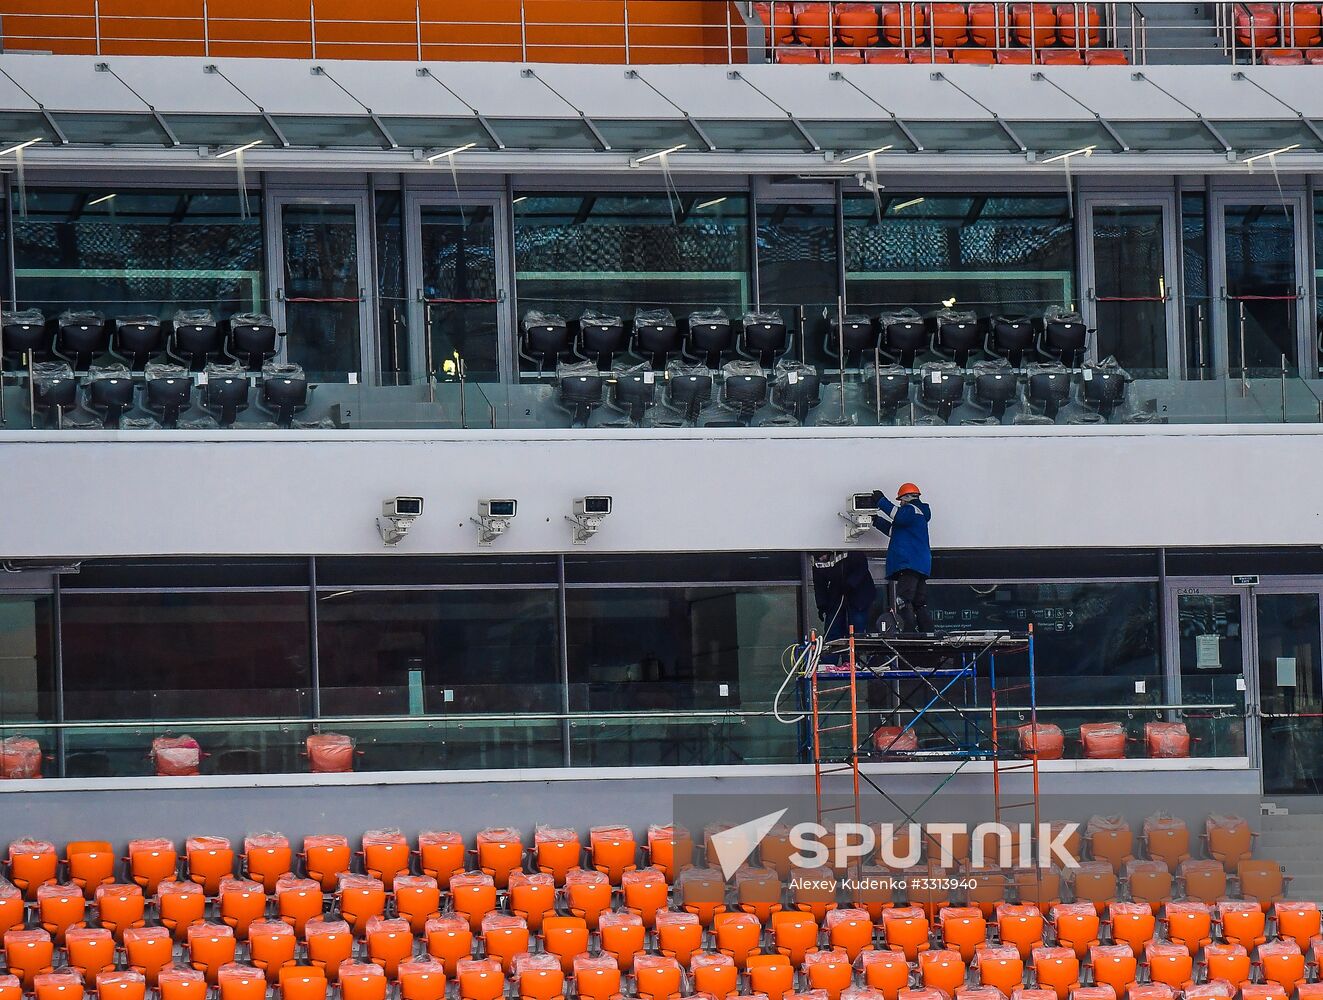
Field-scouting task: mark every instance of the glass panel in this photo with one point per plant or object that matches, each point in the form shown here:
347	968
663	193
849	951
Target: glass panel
235	748
1210	635
641	136
437	133
20	126
220	130
438	652
798	267
1198	315
1179	135
1130	288
392	319
139	251
321	287
1063	137
770	134
1012	255
328	131
962	137
136	655
619	253
111	129
545	133
27	659
1290	676
859	137
459	285
1261	136
1261	287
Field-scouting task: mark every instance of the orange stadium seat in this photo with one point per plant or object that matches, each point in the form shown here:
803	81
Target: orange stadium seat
151	862
657	977
1079	25
368	982
239	903
1148	881
210	946
209	859
771	975
999	966
556	850
32	864
299	900
1282	962
1057	969
90	951
1076	926
325	858
905	24
596	977
531	896
1020	925
537	977
330	753
714	974
180	905
389	941
905	929
303	982
857	24
588	894
850	930
566	938
90	864
361	898
182	984
449	938
57	986
941	969
1228	839
623	936
423	979
1299	921
644	892
267	858
794	935
417	900
1256	24
813	24
241	982
1188	923
120	985
831	971
1202	879
12	912
1242	923
679	935
963	929
1132	923
500	851
1227	962
385	855
59	907
1103	741
1113	966
441	853
1166	838
779	20
1261	880
737	935
1167	739
503	937
271	946
148	950
1169	963
671	849
702	892
329	944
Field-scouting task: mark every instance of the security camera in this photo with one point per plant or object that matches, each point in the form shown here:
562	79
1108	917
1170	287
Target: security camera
588	515
397	517
494	518
861	508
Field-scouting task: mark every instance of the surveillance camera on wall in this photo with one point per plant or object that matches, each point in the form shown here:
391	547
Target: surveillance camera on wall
494	518
861	508
589	512
397	517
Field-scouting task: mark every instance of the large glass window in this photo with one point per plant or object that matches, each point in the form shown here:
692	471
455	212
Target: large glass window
461	298
127	252
27	660
1194	259
798	266
618	253
215	655
1012	254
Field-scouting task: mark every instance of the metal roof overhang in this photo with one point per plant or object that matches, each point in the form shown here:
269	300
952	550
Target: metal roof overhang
177	112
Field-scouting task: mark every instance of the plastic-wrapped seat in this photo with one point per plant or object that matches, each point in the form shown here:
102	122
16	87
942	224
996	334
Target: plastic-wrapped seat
763	335
744	388
251	339
385	855
440	854
1020	925
669	848
796	389
533	897
209	947
326	855
1149	881
182	984
537	977
180	905
596	977
544	337
54	388
1167	739
473	896
1132	923
1103	741
1104	385
886	389
566	938
113	984
168	392
964	929
283	393
1297	920
225	392
148	950
137	339
995	386
657	977
365	981
957	335
360	898
422	979
613	851
80	335
1065	337
737	935
330	753
588	894
1202	879
1113	966
61	906
449	938
1242	922
655	335
271	946
1042	739
851	334
417	900
708	336
499	852
621	935
1262	880
679	935
1228	839
89	864
176	756
1094	882
388	941
89	951
688	391
634	394
1189	923
1227	962
941	389
1047	387
831	970
20	757
329	944
267	858
303	982
1166	838
240	902
194	338
110	392
903	336
25	334
209	859
1010	337
599	337
580	388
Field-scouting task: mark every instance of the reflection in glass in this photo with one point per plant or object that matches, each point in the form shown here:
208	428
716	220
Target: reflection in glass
459	290
1130	287
797	266
393	307
434	652
139	251
321	287
1262	286
1290	674
1011	255
182	655
27	659
1198	318
1210	634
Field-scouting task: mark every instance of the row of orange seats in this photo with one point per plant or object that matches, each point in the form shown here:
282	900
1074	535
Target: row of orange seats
1098	740
834	957
1291	57
1290	25
952	25
804	55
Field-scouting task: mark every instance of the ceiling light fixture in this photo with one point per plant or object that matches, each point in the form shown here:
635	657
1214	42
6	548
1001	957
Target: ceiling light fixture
1082	151
863	156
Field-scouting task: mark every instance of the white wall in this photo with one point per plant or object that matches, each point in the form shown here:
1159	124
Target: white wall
108	494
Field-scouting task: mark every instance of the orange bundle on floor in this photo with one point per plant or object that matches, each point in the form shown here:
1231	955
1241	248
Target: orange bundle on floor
894	739
1167	739
20	757
330	753
1103	740
1044	739
176	756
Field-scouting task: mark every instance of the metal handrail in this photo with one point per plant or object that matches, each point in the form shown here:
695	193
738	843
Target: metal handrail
415	37
614	716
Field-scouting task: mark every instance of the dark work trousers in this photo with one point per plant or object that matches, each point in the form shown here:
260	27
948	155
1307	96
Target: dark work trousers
912	601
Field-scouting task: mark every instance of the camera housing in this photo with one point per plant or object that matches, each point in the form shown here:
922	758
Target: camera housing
397	517
588	515
863	503
494	517
860	508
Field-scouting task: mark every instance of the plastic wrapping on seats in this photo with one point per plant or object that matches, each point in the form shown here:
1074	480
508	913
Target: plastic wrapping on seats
322	424
20	757
980	422
1167	739
354	880
98	372
202	422
81	317
576	369
176	888
585	876
139	319
592	317
709	316
154	370
276	369
387	836
1043	737
393	925
218	369
465	880
1103	740
886	319
755	317
47	373
445	923
22	317
140	424
194	317
499	835
653	317
540	962
31	845
544	834
956	316
1163	821
610	832
894	739
434	838
1214	989
1060	314
251	319
330	753
741	369
1026	418
849	318
266	840
177	756
206	842
1085	417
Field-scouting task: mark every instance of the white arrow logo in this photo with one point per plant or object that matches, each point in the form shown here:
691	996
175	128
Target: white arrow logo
734	846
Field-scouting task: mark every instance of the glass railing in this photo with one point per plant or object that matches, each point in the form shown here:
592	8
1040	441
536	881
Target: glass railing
468	732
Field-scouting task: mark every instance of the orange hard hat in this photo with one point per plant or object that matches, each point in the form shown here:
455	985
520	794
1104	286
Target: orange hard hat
905	489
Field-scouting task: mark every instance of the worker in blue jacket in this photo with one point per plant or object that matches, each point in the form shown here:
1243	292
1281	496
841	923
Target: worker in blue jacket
909	556
844	592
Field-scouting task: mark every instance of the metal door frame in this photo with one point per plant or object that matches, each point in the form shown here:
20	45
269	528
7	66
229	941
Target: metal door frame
1178	586
1166	201
275	244
1220	327
414	203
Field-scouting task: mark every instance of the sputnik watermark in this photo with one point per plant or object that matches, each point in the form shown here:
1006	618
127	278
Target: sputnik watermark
902	846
